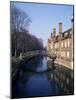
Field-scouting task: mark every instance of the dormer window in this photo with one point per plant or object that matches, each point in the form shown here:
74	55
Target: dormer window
66	34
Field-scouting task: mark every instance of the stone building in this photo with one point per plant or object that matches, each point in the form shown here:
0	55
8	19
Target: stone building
61	45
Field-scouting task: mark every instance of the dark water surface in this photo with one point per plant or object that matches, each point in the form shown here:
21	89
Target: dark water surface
33	81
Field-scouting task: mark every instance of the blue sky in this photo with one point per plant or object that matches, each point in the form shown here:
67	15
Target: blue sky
46	16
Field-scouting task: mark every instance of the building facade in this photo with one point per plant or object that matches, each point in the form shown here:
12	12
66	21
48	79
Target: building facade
61	46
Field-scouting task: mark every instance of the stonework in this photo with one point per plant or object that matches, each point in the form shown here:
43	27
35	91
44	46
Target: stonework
61	46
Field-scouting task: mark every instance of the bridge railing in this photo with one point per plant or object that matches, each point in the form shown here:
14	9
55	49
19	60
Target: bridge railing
34	53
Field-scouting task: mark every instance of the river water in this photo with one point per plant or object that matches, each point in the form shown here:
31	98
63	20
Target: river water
34	80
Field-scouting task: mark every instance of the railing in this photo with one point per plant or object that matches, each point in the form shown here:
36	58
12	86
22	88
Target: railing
33	53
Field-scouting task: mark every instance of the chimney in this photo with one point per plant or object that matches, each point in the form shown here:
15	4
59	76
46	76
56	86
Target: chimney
54	32
60	28
51	35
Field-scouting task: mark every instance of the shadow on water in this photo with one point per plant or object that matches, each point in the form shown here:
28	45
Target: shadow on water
36	79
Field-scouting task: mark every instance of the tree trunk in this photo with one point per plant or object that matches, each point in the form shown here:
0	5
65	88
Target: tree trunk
15	52
20	56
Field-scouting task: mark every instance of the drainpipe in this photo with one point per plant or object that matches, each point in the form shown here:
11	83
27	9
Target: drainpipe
60	36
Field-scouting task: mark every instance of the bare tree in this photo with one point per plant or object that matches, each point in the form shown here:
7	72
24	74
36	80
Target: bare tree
19	23
21	40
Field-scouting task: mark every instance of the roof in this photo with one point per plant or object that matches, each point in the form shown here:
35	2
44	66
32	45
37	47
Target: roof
67	30
49	40
56	38
66	34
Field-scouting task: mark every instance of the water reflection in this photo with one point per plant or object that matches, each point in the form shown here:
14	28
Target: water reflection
63	77
31	82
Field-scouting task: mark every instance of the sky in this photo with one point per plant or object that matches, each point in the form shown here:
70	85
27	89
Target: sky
45	17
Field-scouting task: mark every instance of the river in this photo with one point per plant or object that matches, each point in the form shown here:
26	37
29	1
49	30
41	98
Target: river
34	80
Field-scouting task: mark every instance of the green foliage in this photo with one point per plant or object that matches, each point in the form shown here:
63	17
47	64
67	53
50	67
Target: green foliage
14	63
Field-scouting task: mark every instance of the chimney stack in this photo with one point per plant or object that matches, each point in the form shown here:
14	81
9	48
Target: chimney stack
54	32
60	27
51	35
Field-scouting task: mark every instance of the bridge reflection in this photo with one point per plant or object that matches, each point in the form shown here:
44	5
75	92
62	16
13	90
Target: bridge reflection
35	79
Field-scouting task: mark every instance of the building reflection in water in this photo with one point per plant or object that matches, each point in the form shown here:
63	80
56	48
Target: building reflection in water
64	77
33	80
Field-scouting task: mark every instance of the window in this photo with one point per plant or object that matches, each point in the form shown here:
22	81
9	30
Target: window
68	43
65	44
58	53
63	53
66	34
58	45
55	45
61	44
55	52
67	54
51	46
